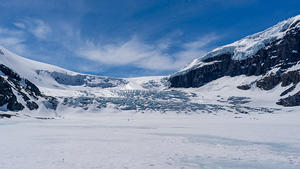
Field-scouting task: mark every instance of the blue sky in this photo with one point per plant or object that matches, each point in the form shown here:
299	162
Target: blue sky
126	38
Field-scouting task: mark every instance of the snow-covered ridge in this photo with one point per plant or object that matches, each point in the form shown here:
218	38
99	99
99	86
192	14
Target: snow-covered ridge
249	45
24	66
46	75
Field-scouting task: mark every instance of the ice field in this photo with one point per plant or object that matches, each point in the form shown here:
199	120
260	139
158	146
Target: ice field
158	141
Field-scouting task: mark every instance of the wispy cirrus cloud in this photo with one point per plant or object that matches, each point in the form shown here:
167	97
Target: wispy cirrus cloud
13	39
153	56
16	38
36	27
135	52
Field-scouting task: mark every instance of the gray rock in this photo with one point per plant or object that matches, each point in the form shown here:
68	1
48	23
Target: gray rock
289	101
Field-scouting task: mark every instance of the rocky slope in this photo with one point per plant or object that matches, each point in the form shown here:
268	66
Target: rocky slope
18	93
272	55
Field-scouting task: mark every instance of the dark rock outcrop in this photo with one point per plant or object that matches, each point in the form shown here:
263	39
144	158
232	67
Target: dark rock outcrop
12	86
288	90
4	115
32	89
32	105
290	101
7	96
244	87
8	72
14	105
285	78
269	82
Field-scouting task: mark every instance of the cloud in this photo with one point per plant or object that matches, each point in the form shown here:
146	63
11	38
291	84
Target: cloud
137	53
20	25
117	54
10	32
13	40
36	27
157	55
16	38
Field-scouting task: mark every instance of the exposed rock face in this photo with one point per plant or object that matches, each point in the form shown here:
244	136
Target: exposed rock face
7	96
12	87
268	82
285	78
244	87
289	101
8	72
288	90
32	105
3	115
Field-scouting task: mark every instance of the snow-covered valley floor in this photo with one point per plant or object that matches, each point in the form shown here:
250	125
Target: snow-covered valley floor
158	141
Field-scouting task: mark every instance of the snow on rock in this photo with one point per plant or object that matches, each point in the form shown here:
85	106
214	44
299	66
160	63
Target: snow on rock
295	67
249	45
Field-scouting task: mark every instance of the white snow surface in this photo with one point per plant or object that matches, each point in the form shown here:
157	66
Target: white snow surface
158	141
247	46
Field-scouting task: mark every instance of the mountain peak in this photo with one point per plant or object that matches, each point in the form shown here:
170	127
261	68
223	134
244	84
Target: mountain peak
250	45
271	57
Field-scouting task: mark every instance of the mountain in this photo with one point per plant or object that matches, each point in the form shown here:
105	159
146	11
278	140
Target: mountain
21	80
45	75
40	90
30	85
230	79
271	55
